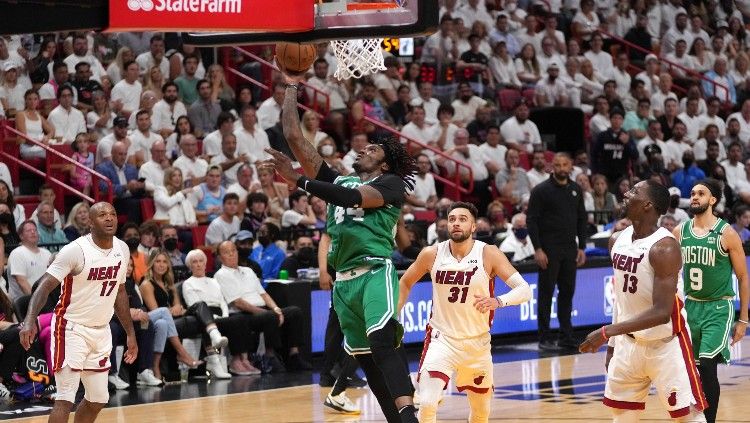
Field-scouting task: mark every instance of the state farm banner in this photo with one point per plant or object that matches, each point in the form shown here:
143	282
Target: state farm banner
211	15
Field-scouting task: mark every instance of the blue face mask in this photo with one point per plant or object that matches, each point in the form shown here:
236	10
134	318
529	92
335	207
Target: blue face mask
521	233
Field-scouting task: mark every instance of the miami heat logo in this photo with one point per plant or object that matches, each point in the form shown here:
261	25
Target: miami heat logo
672	399
103	361
478	380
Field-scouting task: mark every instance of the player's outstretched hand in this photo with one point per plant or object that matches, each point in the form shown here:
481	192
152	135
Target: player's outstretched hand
484	304
131	354
27	335
282	164
739	332
289	77
593	342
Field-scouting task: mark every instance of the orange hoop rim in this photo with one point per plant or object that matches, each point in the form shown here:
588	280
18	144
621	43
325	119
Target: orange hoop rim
370	6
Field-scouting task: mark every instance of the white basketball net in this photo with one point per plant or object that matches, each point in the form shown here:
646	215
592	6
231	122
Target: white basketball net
357	58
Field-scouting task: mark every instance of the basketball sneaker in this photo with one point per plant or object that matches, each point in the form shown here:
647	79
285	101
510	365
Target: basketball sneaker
147	378
4	393
341	403
118	383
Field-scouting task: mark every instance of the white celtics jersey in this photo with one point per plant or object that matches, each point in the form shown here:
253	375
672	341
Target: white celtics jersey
90	279
454	284
633	284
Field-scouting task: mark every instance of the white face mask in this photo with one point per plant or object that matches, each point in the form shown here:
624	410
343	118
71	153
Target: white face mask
326	150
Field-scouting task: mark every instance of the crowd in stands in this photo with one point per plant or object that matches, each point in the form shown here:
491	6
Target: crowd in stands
663	86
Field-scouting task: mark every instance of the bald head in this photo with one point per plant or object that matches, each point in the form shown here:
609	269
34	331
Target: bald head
103	220
228	254
119	153
158	151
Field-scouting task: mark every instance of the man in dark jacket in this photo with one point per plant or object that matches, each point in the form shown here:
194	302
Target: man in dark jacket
614	149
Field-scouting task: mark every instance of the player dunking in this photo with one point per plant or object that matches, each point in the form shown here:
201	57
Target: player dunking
711	249
652	341
363	212
92	272
457	340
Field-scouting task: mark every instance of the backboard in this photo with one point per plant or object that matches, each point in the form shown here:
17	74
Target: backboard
339	19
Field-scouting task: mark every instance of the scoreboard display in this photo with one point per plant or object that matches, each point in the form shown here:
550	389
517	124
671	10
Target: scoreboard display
400	47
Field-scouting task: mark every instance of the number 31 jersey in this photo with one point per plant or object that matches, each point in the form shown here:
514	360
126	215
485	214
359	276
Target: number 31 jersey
634	283
454	284
90	278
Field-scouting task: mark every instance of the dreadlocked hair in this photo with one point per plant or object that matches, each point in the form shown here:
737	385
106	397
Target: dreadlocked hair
398	159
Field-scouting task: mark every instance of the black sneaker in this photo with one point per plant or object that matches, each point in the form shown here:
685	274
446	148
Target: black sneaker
326	380
272	364
295	362
355	381
548	345
568	344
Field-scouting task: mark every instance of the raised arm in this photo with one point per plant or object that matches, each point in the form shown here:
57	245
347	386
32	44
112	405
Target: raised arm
421	265
303	149
733	244
38	299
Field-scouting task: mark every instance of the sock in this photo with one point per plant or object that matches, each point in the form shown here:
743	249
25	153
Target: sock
408	414
711	387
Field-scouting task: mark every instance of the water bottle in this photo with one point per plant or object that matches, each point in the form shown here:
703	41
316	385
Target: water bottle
283	274
183	372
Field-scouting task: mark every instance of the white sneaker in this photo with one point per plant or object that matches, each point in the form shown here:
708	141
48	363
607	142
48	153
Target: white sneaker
217	369
4	393
341	403
119	383
147	378
218	341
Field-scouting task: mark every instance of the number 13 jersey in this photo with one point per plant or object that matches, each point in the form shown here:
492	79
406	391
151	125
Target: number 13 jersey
634	284
454	284
90	278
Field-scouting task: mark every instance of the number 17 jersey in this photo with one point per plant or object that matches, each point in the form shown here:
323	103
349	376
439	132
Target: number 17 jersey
454	284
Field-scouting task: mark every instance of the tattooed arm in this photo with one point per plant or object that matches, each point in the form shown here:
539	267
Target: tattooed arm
302	148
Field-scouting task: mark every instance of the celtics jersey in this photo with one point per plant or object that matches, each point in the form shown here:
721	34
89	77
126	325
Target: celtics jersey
707	270
363	236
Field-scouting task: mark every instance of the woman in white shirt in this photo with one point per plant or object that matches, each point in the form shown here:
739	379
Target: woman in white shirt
585	21
115	69
172	202
703	59
310	127
622	19
502	67
35	126
6	197
527	67
100	120
740	73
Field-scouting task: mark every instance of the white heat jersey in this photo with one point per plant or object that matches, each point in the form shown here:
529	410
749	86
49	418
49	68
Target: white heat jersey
454	284
634	284
90	279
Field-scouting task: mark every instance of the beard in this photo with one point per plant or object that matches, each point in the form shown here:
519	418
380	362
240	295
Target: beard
357	167
460	237
699	209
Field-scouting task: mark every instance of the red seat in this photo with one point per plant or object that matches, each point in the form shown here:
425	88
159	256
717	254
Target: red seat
210	261
199	235
200	147
425	215
508	98
523	160
148	209
528	94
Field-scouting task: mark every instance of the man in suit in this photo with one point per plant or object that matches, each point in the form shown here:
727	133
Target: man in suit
128	189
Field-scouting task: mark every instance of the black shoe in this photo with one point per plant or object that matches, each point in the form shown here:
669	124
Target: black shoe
272	364
326	380
355	381
568	343
549	346
295	362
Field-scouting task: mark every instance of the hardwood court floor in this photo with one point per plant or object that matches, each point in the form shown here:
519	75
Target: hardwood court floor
553	389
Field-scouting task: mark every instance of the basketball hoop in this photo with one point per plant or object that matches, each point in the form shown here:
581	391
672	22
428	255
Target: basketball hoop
357	58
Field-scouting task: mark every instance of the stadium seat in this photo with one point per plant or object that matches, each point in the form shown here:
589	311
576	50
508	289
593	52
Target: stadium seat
148	209
508	98
425	215
199	235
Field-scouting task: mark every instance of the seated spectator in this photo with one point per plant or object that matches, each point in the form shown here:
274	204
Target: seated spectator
654	166
126	94
163	302
243	241
49	235
255	213
466	104
310	127
168	110
691	118
424	195
713	106
668	222
245	295
267	253
719	83
119	133
220	89
246	183
100	119
230	159
519	132
548	55
741	221
685	178
188	81
674	210
152	171
142	137
538	172
171	200
520	243
182	128
149	237
614	149
269	112
6	197
429	103
320	209
78	223
48	91
636	122
300	216
66	119
661	95
170	242
27	262
528	70
677	146
193	167
226	224
8	232
502	67
12	356
35	126
85	87
124	177
11	90
251	138
337	96
471	155
604	201
710	136
600	120
512	182
588	199
327	150
80	177
204	112
209	196
212	141
499	224
479	126
420	130
277	193
204	300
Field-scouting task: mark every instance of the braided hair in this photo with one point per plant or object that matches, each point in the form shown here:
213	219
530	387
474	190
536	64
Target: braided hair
398	159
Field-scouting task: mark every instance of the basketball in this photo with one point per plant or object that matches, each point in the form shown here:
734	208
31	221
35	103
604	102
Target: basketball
295	57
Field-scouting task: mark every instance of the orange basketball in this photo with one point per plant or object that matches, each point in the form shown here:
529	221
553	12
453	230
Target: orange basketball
295	57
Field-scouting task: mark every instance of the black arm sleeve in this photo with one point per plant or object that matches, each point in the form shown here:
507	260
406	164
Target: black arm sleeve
326	174
331	193
392	188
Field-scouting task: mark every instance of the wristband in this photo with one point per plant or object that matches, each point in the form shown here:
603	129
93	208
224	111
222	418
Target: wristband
499	302
604	334
302	182
743	321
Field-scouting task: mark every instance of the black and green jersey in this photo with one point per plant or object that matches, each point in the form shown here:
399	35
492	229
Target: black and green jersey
363	236
707	269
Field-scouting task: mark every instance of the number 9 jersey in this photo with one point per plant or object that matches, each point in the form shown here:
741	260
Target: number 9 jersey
707	270
454	284
633	284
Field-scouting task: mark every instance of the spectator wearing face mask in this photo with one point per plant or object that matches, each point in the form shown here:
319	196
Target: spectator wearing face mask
304	257
268	254
519	243
243	241
132	237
